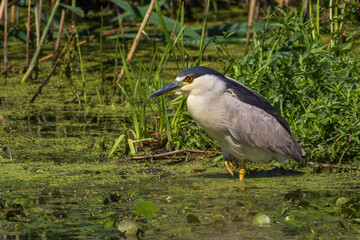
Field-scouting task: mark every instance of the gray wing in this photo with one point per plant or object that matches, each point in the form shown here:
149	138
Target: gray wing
252	125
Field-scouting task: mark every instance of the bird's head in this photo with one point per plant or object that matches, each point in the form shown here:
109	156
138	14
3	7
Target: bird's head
195	80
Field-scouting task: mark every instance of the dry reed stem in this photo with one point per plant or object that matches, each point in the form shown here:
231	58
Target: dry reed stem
37	26
51	29
2	6
5	36
40	10
110	32
28	36
60	30
13	12
138	36
250	23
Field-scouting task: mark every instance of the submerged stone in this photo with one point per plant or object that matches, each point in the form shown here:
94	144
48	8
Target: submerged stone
128	226
59	214
192	219
51	191
261	219
341	201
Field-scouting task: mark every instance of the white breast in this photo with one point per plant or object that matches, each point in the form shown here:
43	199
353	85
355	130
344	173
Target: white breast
206	113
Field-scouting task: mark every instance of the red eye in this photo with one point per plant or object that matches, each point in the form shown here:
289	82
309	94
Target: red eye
189	78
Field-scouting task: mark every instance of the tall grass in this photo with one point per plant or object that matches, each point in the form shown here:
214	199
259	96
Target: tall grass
311	82
84	89
166	123
316	90
102	88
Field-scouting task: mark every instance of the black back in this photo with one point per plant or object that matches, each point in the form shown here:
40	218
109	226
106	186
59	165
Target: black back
244	94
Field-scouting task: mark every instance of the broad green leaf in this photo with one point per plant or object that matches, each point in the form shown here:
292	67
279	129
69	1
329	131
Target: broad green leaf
146	209
140	12
75	10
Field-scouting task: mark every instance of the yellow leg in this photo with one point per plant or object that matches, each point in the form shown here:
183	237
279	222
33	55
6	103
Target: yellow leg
242	170
229	165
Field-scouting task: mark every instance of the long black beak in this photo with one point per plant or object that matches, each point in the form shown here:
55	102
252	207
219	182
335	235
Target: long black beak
171	87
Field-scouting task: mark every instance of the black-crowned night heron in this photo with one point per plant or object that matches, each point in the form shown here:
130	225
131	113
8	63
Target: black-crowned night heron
246	126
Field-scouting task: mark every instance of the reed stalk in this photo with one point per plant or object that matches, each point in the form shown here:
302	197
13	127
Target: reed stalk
182	24
73	18
51	22
40	11
137	38
2	6
17	15
336	10
81	63
42	40
102	89
117	44
38	29
57	45
311	16
5	37
13	13
304	8
250	23
318	18
331	24
28	37
37	26
206	9
202	40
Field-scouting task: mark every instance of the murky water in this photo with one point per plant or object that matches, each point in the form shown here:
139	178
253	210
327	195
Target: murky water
56	184
72	200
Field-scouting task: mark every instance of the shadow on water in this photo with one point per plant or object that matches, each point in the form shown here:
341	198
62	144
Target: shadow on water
276	172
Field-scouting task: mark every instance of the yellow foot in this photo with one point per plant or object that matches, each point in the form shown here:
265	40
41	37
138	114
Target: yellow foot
242	174
229	165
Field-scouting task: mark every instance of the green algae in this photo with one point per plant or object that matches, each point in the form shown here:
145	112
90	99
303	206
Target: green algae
57	169
223	206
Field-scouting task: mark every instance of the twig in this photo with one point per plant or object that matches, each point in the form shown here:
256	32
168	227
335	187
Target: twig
163	154
63	52
137	39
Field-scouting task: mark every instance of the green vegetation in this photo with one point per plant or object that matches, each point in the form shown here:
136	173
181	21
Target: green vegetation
316	90
58	176
314	84
301	62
